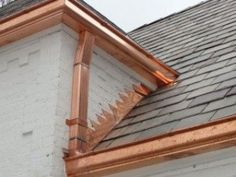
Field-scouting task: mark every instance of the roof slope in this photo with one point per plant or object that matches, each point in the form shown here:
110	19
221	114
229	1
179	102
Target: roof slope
200	43
17	6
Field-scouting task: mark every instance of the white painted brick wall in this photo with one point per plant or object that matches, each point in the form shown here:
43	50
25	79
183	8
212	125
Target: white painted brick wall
35	99
221	163
108	78
68	48
35	91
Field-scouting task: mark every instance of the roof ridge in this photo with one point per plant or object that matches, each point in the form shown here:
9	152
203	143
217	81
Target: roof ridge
169	16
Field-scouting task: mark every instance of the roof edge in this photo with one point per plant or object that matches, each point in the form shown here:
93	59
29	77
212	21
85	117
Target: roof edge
51	12
187	142
147	58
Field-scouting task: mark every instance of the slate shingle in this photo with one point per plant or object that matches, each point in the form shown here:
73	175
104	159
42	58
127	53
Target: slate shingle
206	98
194	120
215	105
232	91
16	6
222	113
227	83
200	43
202	91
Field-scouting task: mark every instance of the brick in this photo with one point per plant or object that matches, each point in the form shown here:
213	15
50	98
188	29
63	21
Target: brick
108	78
40	103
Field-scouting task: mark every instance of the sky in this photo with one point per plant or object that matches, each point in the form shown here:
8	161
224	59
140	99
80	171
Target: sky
131	14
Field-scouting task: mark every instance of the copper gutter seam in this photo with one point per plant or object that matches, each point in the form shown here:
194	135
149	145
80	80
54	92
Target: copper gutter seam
152	63
186	142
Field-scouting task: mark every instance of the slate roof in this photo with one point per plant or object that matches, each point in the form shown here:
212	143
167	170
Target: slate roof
200	43
16	6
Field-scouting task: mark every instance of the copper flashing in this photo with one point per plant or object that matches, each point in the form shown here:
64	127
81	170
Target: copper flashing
107	120
211	136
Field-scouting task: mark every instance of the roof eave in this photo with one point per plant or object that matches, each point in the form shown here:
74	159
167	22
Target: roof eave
187	142
77	16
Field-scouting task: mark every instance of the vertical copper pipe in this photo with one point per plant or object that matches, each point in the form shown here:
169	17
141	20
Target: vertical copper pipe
79	103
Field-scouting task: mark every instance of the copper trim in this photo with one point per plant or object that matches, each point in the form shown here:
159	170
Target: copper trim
208	137
107	120
78	128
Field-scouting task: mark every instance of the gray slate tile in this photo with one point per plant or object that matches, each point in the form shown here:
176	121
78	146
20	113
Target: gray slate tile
222	113
221	71
224	77
155	131
176	107
201	44
200	84
212	96
227	101
228	56
194	120
177	115
232	91
202	91
227	83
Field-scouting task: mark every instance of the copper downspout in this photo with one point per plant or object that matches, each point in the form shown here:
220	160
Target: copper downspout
77	123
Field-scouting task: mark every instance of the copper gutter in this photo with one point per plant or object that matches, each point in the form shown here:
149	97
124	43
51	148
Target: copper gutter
122	36
211	136
51	12
88	17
